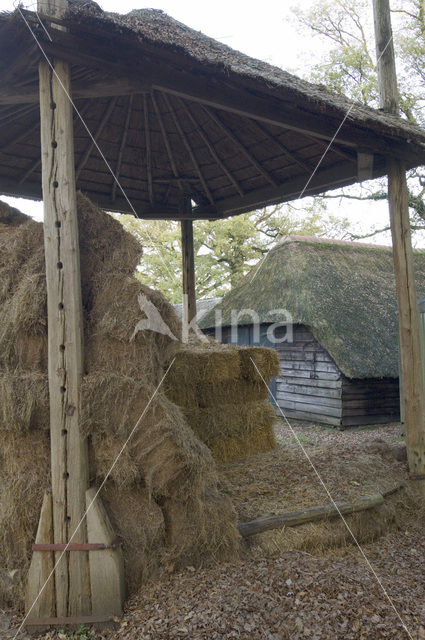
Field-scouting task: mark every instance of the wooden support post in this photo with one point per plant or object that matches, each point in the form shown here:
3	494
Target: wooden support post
69	457
414	405
188	256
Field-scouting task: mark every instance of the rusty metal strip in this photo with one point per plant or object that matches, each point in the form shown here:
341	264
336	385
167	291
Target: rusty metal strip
419	476
78	620
88	546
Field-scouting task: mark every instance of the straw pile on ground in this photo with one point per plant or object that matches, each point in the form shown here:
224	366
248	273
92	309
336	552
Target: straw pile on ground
163	495
223	395
284	481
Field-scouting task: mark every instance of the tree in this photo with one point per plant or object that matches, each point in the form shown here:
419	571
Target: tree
226	249
349	67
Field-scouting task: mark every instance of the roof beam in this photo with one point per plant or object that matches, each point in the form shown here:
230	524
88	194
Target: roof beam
12	114
107	88
166	142
86	155
364	166
122	147
324	179
32	191
37	162
189	149
25	133
148	147
289	154
211	149
253	161
31	170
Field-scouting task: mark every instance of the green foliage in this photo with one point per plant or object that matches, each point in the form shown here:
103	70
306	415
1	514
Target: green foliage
349	67
224	250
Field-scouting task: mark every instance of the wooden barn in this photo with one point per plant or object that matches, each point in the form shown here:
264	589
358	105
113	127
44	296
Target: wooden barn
339	360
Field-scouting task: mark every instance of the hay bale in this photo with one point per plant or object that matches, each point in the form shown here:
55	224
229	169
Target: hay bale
231	448
111	343
139	522
24	402
11	217
105	246
266	363
211	394
230	420
24	477
213	364
234	431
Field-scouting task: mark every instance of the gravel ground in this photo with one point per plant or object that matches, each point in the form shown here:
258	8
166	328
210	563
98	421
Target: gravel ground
315	434
294	595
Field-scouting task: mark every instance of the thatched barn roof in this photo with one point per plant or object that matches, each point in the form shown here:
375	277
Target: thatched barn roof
179	115
343	291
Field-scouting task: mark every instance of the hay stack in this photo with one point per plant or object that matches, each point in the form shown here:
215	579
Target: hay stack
163	495
224	398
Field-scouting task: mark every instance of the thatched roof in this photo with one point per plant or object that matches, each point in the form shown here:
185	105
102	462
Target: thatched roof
344	292
178	114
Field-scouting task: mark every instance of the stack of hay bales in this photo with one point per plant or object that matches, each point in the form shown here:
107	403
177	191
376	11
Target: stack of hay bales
224	398
163	493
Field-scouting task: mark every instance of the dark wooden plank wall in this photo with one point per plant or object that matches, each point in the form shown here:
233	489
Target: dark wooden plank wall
370	401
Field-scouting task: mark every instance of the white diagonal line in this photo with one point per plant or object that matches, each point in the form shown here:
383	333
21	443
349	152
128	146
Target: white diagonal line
322	482
336	132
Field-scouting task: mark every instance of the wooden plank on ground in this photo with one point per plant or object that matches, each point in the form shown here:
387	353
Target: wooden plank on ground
313	514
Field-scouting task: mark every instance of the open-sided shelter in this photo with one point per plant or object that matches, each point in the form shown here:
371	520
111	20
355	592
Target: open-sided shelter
162	117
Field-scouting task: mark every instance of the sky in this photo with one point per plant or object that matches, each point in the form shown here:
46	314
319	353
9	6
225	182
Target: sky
265	30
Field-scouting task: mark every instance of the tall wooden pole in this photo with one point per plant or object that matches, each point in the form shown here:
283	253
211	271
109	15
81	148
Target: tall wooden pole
65	329
188	257
414	405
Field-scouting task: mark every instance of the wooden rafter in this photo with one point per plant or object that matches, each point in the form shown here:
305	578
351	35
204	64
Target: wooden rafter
27	131
86	155
122	146
289	154
225	129
25	60
328	178
189	149
13	114
148	147
35	165
210	147
166	141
